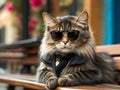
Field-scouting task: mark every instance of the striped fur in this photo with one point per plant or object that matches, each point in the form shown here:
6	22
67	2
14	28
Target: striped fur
95	70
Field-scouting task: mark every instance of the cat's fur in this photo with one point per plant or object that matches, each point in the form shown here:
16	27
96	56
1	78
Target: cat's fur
93	70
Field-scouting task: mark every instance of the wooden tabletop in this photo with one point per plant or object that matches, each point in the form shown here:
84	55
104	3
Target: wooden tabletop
29	81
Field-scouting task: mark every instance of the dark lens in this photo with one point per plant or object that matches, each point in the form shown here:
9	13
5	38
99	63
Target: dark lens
56	35
73	35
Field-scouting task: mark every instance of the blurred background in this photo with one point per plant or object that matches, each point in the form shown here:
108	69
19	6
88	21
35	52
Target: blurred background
21	19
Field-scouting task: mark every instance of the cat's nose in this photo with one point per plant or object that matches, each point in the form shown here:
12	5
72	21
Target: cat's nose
65	39
65	42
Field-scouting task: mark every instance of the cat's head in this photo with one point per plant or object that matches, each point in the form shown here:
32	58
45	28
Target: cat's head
66	34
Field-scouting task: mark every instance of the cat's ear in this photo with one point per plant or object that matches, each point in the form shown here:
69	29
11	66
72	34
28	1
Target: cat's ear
83	17
48	19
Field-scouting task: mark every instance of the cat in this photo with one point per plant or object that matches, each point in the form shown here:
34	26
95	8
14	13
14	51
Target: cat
67	54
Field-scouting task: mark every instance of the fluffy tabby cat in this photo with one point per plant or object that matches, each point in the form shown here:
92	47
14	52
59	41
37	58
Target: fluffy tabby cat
68	56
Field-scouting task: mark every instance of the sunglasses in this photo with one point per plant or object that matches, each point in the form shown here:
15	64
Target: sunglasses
58	35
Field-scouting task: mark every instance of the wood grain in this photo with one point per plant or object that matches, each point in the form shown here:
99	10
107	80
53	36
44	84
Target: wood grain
111	49
29	82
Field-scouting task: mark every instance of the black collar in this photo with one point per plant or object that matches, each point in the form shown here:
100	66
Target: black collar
73	58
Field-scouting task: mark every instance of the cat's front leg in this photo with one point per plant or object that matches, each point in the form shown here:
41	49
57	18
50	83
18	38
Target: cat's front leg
46	75
67	80
80	78
52	83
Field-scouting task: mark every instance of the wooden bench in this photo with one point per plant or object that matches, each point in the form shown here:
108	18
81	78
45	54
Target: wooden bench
30	49
23	52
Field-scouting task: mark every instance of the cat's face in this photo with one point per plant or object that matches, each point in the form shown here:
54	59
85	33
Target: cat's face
67	33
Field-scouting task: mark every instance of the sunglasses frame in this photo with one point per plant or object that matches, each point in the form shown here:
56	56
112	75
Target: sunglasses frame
71	34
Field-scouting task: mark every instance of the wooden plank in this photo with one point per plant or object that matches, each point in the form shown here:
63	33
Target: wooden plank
23	43
78	88
29	77
96	87
23	81
21	49
31	60
11	54
117	62
33	50
111	49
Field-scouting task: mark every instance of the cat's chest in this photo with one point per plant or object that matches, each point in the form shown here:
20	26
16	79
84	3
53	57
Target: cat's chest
58	62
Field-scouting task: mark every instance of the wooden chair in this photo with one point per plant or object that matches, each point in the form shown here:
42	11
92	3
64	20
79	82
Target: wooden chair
29	48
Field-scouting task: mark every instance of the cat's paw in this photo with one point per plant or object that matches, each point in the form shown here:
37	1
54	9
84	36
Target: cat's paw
65	81
52	83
